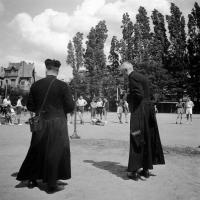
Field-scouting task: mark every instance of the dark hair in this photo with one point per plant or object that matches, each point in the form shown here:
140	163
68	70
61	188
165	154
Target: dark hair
52	64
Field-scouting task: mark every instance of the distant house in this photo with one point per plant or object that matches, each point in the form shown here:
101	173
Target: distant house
19	75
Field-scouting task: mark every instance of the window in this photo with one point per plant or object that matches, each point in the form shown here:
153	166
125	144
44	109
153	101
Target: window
22	83
13	82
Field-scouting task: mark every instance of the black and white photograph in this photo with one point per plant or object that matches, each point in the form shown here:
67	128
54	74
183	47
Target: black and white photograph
100	99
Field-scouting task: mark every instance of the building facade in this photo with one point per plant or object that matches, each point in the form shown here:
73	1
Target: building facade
17	75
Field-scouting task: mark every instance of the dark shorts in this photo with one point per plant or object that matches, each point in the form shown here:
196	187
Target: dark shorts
99	110
180	111
80	109
18	110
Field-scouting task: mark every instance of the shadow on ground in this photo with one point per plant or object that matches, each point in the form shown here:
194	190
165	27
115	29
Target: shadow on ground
113	167
14	174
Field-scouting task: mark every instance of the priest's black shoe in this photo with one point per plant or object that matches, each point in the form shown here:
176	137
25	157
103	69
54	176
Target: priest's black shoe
145	173
133	175
32	183
52	189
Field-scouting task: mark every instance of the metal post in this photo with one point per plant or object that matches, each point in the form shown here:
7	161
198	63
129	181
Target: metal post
117	94
6	89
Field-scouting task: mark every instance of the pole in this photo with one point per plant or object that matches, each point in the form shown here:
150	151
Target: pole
6	89
117	93
75	135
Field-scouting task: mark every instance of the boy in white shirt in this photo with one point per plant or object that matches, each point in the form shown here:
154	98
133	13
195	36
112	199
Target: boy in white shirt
189	106
19	107
81	103
6	101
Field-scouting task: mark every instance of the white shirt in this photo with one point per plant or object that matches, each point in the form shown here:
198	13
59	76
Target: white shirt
6	102
99	103
81	102
189	104
93	104
19	103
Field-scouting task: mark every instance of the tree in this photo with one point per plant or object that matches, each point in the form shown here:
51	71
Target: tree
112	79
114	59
79	51
142	36
100	57
70	55
127	41
95	59
193	46
176	26
177	62
160	43
90	61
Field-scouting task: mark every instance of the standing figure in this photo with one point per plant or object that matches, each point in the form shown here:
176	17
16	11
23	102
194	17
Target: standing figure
155	108
48	157
6	101
120	110
145	146
105	109
7	110
189	107
93	106
81	103
9	114
126	110
19	107
180	110
99	108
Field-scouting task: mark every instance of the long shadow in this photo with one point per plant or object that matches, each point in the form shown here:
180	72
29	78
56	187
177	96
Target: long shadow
113	167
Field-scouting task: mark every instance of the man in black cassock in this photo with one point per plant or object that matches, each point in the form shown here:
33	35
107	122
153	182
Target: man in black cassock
48	157
145	145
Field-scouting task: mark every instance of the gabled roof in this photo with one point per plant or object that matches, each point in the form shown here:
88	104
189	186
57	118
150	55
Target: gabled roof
24	69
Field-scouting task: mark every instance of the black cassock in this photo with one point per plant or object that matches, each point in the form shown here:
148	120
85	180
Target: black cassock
149	151
48	157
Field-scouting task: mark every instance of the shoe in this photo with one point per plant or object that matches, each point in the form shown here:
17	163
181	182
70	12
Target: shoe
32	184
145	173
19	124
133	175
56	188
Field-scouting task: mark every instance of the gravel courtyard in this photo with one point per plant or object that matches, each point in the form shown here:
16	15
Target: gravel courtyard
99	163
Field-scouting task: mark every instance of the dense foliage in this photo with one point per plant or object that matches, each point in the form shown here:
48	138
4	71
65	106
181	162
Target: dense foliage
168	55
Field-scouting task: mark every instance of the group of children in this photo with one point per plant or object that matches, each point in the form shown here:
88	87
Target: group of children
9	114
98	108
184	107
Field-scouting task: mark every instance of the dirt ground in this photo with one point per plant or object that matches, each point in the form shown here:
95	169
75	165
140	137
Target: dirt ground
99	163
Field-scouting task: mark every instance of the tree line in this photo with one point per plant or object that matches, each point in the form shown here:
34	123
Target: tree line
168	55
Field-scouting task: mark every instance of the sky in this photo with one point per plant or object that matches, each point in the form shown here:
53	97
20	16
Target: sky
33	30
